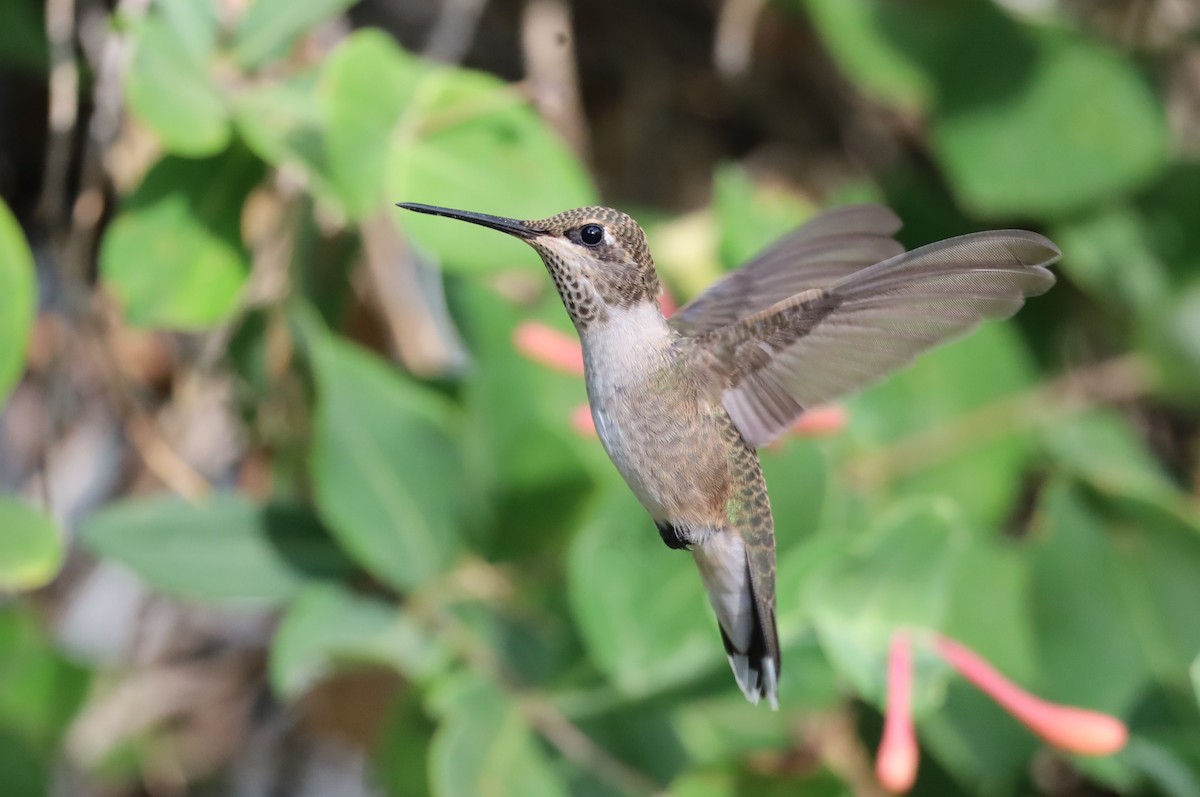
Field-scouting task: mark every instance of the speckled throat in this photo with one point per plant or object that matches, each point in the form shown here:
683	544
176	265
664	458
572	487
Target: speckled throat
619	273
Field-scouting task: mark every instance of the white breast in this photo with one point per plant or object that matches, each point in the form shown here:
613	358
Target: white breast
622	356
627	346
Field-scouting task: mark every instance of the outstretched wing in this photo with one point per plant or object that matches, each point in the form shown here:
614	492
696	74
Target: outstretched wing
826	342
819	253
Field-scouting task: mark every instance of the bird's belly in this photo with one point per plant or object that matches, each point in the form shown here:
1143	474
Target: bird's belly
667	463
632	460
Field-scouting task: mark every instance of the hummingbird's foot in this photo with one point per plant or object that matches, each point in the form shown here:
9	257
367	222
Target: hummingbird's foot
676	538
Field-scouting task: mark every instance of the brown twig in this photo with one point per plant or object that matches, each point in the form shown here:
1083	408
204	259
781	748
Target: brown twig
418	320
550	65
1116	380
577	746
734	42
64	102
835	740
537	710
140	427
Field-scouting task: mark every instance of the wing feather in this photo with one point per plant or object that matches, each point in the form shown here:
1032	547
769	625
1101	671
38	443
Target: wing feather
826	342
819	253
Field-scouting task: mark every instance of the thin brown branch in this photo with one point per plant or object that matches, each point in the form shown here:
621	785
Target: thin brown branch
161	459
418	321
537	710
1112	381
64	102
734	41
550	65
578	747
835	740
140	427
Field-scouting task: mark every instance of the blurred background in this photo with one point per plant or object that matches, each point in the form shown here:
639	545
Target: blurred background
296	496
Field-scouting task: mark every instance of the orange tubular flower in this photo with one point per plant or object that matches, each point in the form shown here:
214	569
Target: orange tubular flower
547	346
1075	730
581	421
896	762
822	421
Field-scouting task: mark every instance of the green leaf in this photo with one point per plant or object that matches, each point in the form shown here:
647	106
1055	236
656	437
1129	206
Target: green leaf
469	141
173	257
386	468
519	437
1111	256
400	754
988	606
40	690
726	727
1089	652
640	607
977	742
1164	213
485	747
223	548
270	26
25	774
1181	329
1102	448
363	88
1171	764
18	300
282	123
31	549
1156	564
856	33
327	627
988	609
170	85
797	480
1051	142
907	433
1025	121
1194	674
704	784
799	469
899	576
23	45
751	218
193	25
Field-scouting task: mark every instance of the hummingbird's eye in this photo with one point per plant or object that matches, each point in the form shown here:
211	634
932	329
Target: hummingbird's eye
591	234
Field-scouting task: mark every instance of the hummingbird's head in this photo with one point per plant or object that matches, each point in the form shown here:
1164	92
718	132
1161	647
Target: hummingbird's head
597	256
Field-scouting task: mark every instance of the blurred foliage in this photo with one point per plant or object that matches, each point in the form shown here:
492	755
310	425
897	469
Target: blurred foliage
448	527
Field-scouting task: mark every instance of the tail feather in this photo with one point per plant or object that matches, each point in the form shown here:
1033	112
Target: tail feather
746	621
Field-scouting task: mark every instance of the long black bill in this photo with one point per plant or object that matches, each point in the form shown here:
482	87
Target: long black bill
510	226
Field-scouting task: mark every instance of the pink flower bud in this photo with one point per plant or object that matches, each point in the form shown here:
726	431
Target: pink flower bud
581	421
822	421
1075	730
549	347
896	761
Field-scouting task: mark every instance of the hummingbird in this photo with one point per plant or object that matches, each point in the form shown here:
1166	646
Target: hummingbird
682	404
